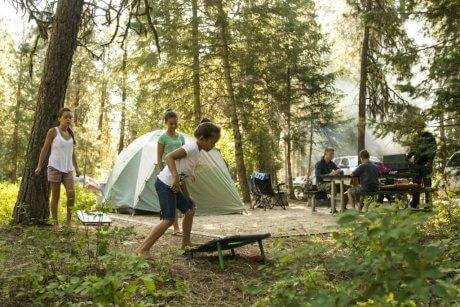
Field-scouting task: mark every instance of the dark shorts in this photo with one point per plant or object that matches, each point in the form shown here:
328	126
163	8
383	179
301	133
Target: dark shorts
326	187
358	192
55	175
170	201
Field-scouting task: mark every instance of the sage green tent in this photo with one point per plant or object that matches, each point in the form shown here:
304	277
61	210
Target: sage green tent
131	184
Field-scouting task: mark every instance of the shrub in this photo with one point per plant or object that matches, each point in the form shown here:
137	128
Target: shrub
8	194
85	267
382	257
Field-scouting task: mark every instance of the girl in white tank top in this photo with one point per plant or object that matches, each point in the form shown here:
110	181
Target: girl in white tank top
61	163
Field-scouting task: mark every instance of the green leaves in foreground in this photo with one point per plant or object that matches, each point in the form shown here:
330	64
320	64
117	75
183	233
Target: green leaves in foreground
74	267
382	257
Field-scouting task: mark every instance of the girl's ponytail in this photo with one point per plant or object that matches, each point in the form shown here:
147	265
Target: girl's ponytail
72	135
60	113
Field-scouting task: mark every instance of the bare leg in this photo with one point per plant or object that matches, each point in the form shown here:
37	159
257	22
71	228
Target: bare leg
363	205
55	193
345	199
176	223
187	222
351	200
70	192
360	204
154	235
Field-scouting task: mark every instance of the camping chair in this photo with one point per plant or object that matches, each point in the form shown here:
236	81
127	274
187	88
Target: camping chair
257	197
267	197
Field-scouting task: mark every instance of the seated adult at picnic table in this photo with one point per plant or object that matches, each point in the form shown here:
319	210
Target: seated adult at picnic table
368	175
326	167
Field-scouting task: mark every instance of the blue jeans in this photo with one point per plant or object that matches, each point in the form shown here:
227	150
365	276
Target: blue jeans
170	201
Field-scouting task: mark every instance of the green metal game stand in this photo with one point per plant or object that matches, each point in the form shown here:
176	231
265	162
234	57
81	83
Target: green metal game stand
228	243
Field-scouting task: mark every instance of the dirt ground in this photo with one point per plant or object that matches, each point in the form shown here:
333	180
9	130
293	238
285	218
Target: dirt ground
210	286
296	220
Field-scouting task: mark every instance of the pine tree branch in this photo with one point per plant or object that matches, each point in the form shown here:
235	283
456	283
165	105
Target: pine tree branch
152	26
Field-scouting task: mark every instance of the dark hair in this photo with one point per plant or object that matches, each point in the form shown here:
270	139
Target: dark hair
364	154
69	130
170	114
205	120
426	134
206	130
328	149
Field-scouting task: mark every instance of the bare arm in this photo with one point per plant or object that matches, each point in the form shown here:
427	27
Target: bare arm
186	193
74	160
170	162
45	150
160	152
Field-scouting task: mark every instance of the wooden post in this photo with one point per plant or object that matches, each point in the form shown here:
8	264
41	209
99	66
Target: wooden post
342	202
333	197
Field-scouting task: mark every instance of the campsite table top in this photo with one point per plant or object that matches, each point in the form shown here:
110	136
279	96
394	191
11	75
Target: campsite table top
341	180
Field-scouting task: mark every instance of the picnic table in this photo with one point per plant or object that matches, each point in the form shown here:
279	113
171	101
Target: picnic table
397	190
341	180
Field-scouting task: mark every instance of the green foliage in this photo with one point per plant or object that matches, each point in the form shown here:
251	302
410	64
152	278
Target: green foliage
19	90
89	267
281	56
8	194
84	200
387	256
390	57
384	257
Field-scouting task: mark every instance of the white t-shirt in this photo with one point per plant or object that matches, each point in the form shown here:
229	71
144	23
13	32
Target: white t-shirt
184	166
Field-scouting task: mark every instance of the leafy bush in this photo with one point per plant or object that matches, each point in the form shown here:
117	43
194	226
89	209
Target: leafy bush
8	194
89	267
383	257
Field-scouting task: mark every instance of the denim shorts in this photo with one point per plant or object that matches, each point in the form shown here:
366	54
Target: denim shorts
170	201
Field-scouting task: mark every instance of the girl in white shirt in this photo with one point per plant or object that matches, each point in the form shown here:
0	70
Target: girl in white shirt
171	190
62	163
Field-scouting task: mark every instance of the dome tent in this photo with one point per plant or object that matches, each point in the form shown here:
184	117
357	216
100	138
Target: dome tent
131	184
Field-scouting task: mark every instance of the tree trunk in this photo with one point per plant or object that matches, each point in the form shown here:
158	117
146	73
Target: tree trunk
310	149
102	106
363	86
32	203
287	137
121	144
442	137
302	160
76	103
239	158
196	63
17	110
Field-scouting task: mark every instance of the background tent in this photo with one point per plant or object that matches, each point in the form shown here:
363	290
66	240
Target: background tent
131	184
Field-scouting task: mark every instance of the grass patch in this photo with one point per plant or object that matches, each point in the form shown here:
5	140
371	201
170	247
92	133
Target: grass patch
9	192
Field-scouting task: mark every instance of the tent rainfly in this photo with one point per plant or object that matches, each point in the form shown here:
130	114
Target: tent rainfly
131	184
